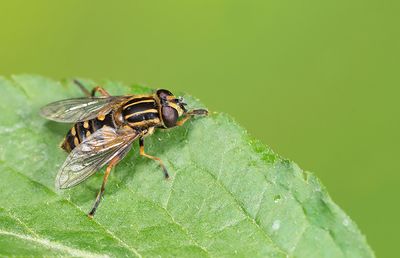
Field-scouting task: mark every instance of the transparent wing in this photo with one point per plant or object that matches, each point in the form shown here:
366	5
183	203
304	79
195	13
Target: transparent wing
93	153
80	109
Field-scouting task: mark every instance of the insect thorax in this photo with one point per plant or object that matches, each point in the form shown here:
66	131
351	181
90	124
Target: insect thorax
141	112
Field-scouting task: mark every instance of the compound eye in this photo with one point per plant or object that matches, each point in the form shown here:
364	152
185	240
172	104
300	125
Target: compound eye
169	116
163	94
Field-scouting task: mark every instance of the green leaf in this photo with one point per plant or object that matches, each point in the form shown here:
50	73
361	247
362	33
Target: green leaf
228	195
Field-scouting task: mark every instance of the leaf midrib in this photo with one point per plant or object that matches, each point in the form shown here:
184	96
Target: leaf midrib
75	206
43	241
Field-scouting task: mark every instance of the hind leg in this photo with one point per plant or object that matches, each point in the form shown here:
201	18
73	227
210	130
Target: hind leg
103	186
82	88
99	89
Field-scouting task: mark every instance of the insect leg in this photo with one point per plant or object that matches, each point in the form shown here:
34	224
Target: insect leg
102	91
83	89
103	186
142	153
188	115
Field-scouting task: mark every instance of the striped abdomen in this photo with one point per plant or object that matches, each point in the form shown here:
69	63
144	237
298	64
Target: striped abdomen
80	131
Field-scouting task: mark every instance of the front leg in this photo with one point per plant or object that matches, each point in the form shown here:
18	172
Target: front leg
142	153
188	115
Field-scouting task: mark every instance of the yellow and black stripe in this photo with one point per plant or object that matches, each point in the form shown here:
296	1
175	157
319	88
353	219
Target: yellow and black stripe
80	131
141	112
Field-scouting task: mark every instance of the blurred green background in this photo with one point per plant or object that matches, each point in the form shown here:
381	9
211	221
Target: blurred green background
318	81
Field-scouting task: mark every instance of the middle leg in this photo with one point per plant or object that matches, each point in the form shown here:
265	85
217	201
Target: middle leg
142	153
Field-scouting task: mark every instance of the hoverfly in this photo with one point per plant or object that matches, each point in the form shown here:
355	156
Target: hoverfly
105	128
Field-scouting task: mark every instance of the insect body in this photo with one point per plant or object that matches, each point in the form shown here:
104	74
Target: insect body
105	128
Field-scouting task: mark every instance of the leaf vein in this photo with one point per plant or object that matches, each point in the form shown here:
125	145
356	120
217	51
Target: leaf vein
53	245
45	242
132	249
240	206
184	229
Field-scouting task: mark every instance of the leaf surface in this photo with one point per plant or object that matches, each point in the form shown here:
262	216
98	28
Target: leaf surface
228	195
